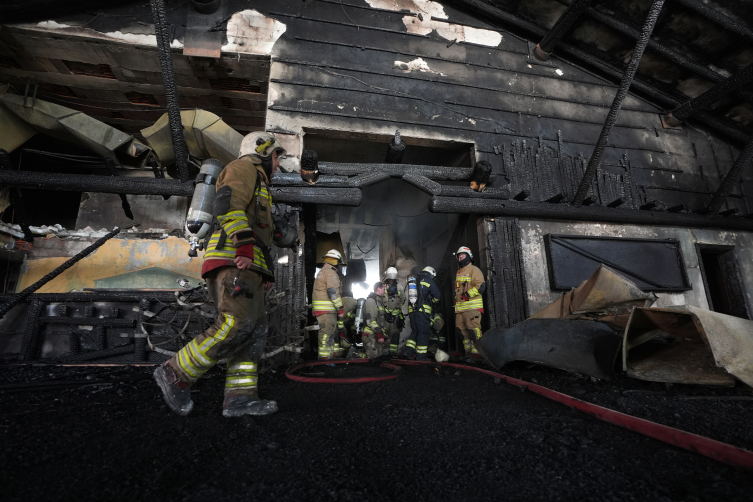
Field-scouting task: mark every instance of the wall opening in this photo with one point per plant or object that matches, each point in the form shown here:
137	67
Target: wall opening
722	280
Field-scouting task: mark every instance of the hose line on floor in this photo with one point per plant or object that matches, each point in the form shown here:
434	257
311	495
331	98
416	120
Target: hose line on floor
311	379
711	448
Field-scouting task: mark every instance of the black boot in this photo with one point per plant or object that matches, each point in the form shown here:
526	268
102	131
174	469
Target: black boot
177	394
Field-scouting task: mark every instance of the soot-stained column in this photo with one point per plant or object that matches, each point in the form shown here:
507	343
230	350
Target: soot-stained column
309	257
506	299
614	111
171	88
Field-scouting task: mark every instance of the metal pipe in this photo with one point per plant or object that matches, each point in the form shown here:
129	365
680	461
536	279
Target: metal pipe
7	306
171	89
733	176
561	28
93	183
539	211
614	111
734	83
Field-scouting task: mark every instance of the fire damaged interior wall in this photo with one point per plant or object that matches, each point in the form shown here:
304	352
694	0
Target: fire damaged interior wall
536	268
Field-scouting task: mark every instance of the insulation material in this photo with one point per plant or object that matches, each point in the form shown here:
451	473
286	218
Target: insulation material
78	128
129	38
606	296
252	32
115	258
686	344
207	136
423	7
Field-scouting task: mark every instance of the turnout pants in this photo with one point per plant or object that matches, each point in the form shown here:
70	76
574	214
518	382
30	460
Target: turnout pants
329	344
392	334
232	335
418	342
469	325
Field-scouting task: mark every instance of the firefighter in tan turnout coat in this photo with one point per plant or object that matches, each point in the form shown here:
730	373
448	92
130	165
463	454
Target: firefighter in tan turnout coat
469	303
237	260
327	306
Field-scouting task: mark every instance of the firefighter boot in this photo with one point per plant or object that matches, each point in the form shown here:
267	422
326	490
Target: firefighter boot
245	404
177	394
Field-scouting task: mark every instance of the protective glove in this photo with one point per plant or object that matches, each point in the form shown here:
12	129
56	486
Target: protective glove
342	333
465	296
379	336
340	314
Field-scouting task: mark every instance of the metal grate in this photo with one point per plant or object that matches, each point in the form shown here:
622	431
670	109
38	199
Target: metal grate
234	84
91	70
60	90
140	98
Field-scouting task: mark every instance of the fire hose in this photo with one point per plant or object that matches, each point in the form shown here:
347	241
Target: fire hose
711	448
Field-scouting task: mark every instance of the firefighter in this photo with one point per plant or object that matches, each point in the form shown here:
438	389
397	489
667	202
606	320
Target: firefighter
469	304
427	302
394	320
238	270
373	336
327	306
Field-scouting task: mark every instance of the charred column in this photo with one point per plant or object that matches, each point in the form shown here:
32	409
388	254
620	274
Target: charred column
561	28
733	176
686	110
309	258
614	111
171	89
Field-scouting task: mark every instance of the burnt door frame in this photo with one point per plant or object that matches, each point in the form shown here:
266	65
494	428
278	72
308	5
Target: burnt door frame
730	269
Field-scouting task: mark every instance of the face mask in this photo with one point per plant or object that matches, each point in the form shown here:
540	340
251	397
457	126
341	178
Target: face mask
465	261
392	289
268	165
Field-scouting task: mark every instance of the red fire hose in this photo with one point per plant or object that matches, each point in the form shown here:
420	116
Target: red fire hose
711	448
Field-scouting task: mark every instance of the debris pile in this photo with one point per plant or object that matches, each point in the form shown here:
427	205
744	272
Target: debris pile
583	331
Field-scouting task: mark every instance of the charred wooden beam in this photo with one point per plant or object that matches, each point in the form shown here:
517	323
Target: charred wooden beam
397	170
294	179
534	210
738	81
561	28
119	296
317	195
93	183
487	193
657	47
424	183
722	20
641	84
614	111
733	176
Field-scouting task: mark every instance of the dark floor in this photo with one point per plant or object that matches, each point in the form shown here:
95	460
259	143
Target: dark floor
428	435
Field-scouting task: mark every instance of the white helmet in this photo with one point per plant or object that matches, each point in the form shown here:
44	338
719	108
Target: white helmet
391	273
333	253
466	250
260	144
431	271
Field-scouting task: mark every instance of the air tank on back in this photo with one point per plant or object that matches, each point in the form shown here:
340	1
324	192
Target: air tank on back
199	218
412	290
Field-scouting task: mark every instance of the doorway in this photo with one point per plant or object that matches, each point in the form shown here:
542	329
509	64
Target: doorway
722	280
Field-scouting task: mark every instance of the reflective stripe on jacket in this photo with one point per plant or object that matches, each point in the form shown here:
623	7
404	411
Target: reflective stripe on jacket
320	301
247	198
468	280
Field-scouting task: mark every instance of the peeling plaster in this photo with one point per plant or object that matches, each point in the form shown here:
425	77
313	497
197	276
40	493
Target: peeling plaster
424	7
129	38
252	32
417	64
450	31
272	96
